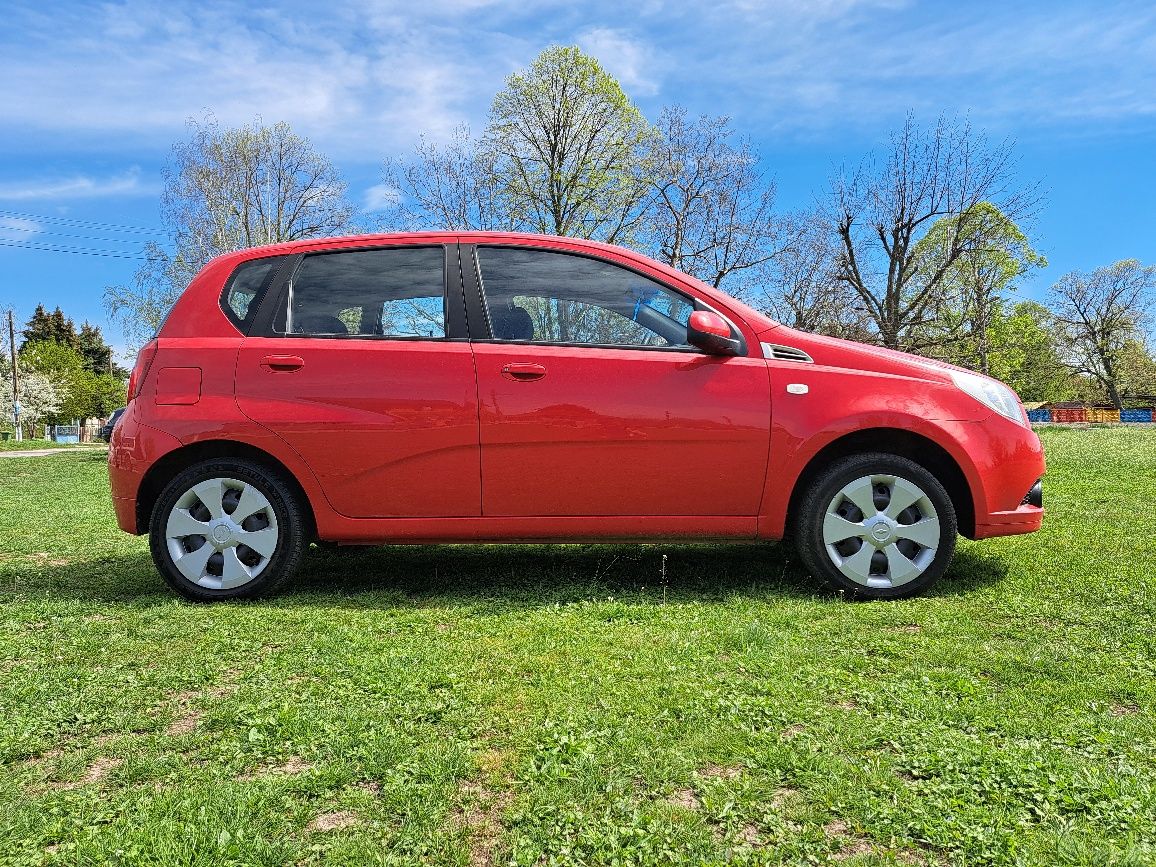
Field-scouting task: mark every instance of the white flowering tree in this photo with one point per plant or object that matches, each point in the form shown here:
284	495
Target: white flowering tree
39	396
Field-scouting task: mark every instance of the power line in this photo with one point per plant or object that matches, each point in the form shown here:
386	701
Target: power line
86	224
37	233
109	254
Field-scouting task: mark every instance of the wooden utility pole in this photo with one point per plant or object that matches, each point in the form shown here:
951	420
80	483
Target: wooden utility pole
15	384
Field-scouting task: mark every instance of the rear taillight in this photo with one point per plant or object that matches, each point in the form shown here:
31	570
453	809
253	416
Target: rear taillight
140	369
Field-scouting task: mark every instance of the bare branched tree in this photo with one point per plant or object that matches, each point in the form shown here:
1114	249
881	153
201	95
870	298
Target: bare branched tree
799	286
880	212
712	210
1101	316
228	189
452	186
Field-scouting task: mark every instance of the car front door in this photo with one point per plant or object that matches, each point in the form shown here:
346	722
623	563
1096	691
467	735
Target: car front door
363	366
592	403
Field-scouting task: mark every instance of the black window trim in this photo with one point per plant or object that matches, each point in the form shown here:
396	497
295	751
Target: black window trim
457	320
255	304
479	314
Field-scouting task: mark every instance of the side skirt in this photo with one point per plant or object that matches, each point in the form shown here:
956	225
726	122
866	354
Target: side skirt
632	528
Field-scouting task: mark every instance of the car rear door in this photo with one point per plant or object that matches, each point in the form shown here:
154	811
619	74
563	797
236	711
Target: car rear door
592	403
360	361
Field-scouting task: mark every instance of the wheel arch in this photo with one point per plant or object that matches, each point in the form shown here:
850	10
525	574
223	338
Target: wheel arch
903	443
176	461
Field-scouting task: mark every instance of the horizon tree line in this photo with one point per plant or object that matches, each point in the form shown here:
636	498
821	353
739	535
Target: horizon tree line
919	247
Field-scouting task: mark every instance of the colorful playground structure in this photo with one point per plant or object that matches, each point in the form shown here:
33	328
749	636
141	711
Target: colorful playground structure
1081	413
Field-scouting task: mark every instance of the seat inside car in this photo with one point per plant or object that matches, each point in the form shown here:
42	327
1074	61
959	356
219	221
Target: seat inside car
511	322
319	323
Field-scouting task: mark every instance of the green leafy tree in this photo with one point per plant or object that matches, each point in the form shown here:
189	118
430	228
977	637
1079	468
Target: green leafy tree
64	367
98	394
1138	371
1100	317
566	146
1024	353
973	285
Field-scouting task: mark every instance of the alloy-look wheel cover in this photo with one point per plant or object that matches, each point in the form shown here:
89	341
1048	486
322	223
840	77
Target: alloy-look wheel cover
881	531
222	533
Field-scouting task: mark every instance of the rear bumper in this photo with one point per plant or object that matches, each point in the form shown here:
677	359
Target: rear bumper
133	450
125	508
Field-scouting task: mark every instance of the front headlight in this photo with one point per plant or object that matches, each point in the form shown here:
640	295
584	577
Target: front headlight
990	393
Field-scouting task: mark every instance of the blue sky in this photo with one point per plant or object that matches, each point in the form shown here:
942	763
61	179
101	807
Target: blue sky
92	96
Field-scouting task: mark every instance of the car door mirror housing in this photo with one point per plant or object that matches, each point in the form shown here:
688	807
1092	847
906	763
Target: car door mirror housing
711	333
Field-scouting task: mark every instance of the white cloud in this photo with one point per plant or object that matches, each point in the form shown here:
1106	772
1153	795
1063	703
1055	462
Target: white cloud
364	80
77	187
627	59
379	197
357	84
18	229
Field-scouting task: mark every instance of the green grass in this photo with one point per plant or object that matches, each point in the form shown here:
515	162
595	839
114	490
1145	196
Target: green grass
12	445
567	704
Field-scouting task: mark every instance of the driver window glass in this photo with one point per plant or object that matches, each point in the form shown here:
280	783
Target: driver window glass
369	293
546	297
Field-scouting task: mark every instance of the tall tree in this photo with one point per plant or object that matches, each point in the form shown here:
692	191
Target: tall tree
1100	315
566	145
54	327
225	190
64	368
799	288
1024	353
40	397
97	354
975	287
452	186
711	213
881	211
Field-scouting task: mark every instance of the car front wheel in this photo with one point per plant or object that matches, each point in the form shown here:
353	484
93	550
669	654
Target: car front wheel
876	526
226	529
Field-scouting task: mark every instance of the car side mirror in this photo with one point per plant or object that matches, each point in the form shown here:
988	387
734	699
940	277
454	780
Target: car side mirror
711	333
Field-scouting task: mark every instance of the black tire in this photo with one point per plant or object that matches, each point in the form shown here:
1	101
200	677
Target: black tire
292	528
809	517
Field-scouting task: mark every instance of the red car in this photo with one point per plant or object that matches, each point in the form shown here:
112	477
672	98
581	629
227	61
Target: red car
483	387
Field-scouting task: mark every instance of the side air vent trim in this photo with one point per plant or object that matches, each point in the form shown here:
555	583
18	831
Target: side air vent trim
786	353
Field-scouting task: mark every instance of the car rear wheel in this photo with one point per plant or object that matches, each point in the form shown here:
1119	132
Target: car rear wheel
876	526
226	529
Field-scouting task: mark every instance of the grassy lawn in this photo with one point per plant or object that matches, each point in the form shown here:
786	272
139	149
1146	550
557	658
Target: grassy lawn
11	445
569	704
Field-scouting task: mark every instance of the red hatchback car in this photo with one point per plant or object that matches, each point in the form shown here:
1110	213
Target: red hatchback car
480	387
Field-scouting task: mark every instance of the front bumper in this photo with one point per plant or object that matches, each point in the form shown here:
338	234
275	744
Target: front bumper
1027	518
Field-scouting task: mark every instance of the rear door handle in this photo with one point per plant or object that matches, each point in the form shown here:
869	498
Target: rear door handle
523	371
283	363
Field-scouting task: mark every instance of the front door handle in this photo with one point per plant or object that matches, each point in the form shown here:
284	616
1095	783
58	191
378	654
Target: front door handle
283	363
523	371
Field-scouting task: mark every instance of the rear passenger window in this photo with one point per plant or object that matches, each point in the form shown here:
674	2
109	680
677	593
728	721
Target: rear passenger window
243	288
369	293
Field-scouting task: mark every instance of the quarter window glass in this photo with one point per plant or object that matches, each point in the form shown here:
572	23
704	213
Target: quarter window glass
243	287
369	293
557	298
